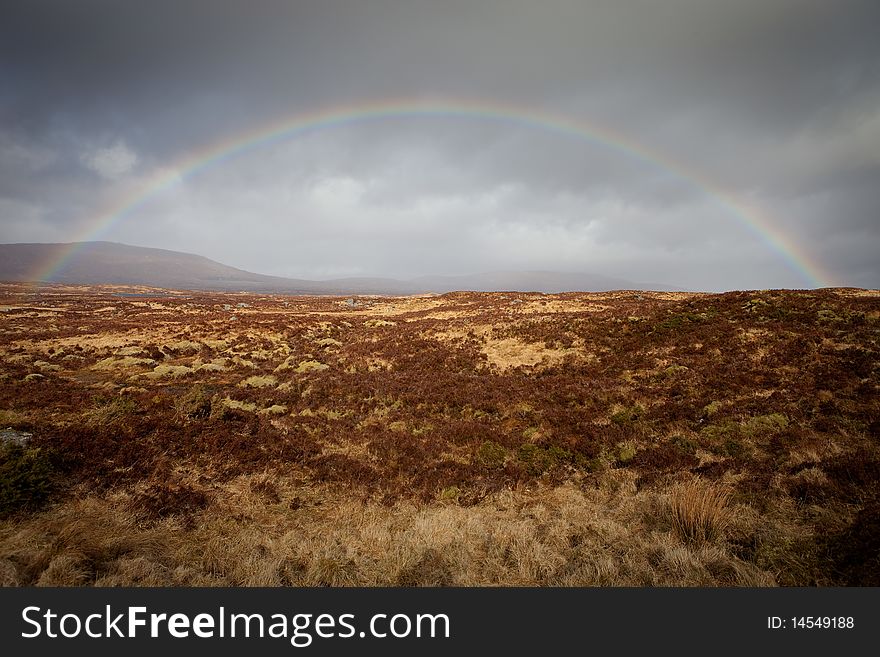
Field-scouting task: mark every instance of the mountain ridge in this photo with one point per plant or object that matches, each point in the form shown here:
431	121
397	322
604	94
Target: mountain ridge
101	262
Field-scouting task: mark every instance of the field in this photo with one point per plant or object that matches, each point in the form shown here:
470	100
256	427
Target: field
185	438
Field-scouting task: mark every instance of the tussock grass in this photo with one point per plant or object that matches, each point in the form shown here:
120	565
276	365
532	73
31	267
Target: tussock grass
238	405
183	347
109	410
311	366
171	371
699	511
274	409
288	363
122	363
78	543
259	381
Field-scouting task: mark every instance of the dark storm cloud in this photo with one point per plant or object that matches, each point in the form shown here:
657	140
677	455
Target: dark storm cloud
774	102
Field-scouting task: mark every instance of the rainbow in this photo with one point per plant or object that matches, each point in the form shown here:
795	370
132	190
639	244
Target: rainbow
797	259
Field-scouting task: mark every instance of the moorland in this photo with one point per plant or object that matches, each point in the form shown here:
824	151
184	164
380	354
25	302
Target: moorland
155	437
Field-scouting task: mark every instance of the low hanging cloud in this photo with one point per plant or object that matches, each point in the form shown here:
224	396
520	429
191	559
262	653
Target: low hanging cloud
111	162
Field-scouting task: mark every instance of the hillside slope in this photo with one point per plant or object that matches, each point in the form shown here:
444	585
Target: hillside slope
99	263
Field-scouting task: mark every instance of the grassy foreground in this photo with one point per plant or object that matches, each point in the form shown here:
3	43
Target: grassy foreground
169	438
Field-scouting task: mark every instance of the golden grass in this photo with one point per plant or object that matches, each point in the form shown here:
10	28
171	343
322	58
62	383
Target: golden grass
274	409
507	353
171	371
239	405
264	530
184	346
699	511
259	381
310	366
107	411
77	544
124	362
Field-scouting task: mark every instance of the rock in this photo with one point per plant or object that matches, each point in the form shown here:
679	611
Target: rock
14	437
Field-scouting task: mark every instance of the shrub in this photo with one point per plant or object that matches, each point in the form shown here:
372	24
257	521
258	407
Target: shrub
712	408
626	453
855	552
684	444
627	415
538	460
194	405
733	448
491	455
25	478
766	423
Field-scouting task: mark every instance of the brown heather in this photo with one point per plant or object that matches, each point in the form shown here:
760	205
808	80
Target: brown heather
635	439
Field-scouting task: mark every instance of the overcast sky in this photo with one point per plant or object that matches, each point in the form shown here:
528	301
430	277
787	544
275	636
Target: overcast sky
774	102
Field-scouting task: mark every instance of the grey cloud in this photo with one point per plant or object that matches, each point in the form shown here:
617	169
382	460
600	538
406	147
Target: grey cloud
771	102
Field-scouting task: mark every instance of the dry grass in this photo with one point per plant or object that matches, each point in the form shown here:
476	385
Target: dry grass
699	511
123	363
507	353
310	366
238	405
169	371
108	410
78	544
262	531
258	381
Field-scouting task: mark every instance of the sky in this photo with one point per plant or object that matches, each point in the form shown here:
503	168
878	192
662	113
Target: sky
706	144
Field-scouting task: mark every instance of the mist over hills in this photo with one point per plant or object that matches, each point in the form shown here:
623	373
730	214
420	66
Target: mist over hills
97	263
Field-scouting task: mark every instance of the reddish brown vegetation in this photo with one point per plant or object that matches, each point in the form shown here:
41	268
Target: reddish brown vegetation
774	392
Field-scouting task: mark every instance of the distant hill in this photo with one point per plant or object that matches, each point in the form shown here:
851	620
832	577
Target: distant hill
97	263
524	281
